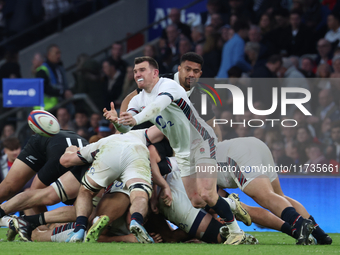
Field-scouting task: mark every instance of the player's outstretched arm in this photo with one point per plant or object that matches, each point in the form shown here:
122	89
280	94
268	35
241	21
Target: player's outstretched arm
70	157
113	117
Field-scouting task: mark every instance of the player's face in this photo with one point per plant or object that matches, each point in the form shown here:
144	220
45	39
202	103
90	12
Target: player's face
188	73
144	75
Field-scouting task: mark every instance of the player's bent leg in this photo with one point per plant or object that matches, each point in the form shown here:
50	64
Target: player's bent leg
19	175
87	191
140	193
318	233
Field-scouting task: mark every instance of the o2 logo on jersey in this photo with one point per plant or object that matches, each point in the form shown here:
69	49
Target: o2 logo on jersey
160	121
92	170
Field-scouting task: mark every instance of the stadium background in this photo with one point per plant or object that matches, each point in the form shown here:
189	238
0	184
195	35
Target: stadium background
92	28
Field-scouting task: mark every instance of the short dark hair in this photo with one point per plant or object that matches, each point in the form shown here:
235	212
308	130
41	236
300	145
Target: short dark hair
152	62
53	45
335	15
111	62
274	59
193	57
11	143
235	71
239	25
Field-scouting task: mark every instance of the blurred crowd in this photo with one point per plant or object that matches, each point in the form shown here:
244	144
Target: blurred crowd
238	40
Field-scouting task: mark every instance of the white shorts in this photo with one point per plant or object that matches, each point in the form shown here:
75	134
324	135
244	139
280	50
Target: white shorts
203	153
117	186
181	212
121	162
251	155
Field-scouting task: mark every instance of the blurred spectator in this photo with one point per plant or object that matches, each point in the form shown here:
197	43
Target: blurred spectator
266	24
293	79
327	108
262	91
242	131
301	119
227	131
55	7
12	149
260	133
324	135
233	50
297	36
295	60
129	82
325	52
281	17
11	68
324	71
81	58
288	133
89	81
197	34
213	6
333	23
252	50
216	21
254	34
315	15
292	152
116	57
303	138
272	135
7	131
150	51
104	129
175	17
307	66
333	151
64	119
238	7
279	155
81	120
211	56
173	38
83	132
94	124
113	80
225	34
54	75
184	46
316	160
336	66
38	60
209	31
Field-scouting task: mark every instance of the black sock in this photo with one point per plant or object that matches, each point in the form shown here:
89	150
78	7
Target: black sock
318	233
222	208
2	213
137	217
35	220
285	228
81	223
290	215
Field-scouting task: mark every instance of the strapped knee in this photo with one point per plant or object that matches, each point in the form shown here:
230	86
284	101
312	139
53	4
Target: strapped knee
139	186
89	186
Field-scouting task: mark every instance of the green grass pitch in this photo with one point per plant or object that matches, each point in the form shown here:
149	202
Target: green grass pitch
270	243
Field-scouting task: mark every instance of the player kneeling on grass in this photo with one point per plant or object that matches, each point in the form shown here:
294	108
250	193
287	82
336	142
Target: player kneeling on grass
123	157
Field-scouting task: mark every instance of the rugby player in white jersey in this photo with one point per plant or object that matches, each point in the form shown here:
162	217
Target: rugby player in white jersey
122	157
166	104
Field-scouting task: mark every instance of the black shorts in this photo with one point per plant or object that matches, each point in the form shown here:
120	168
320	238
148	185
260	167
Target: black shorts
164	149
80	171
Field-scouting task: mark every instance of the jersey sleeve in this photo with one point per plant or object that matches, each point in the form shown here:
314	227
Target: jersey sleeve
88	153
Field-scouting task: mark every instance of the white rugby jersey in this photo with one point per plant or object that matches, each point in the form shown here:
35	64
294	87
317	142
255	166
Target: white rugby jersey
134	136
179	122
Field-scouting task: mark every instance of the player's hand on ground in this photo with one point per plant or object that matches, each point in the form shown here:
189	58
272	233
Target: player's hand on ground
127	119
156	237
166	196
112	114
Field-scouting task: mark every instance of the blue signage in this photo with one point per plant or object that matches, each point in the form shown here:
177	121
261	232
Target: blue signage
159	9
23	92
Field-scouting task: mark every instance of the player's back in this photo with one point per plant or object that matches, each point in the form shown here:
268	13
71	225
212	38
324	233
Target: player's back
55	146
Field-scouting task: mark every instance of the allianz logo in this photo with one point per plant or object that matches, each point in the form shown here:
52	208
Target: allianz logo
16	92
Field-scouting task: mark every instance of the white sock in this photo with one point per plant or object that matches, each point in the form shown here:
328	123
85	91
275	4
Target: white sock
233	227
4	221
231	203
